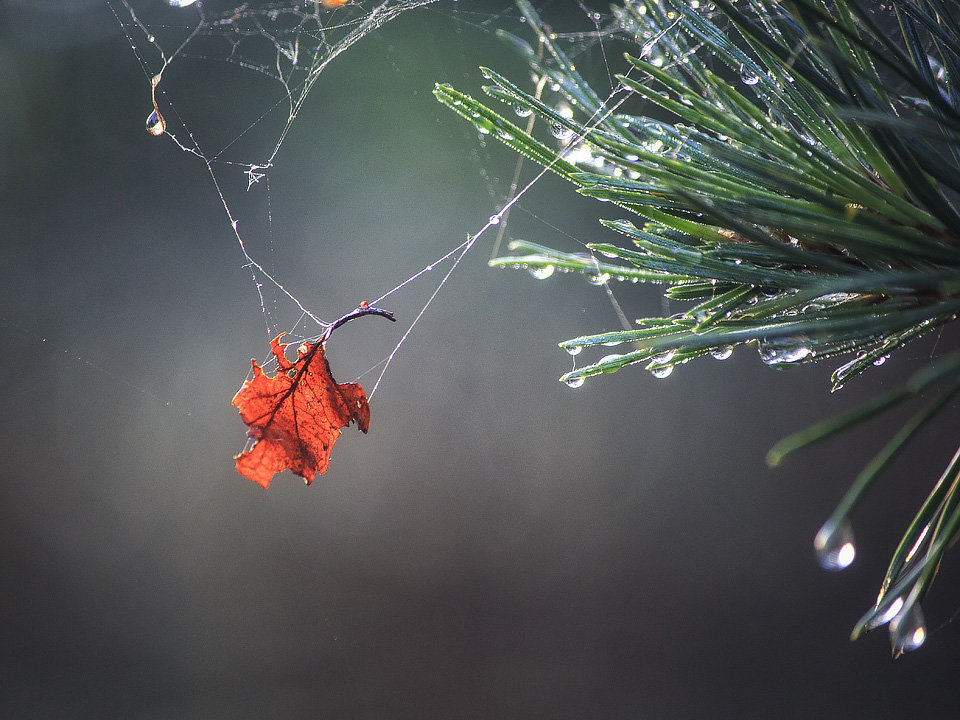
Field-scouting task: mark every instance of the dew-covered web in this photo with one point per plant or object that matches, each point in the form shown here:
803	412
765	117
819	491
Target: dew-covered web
227	82
288	45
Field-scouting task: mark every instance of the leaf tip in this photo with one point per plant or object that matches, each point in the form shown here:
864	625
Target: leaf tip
775	456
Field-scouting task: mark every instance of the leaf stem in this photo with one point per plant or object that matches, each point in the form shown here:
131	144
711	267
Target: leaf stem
363	309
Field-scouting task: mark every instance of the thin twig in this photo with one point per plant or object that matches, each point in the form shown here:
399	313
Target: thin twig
363	309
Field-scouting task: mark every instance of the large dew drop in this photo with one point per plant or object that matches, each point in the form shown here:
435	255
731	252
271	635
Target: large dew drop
748	77
908	630
542	273
834	546
661	371
574	382
663	358
783	351
887	615
560	131
155	123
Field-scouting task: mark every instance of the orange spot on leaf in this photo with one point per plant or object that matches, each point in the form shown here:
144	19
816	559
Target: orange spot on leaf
296	416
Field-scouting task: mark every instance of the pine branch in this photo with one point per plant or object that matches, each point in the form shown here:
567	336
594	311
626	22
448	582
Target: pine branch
801	194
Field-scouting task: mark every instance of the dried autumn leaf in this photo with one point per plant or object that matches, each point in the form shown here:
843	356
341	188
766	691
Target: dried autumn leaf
296	416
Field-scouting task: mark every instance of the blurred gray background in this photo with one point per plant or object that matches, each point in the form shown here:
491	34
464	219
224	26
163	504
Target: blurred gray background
498	546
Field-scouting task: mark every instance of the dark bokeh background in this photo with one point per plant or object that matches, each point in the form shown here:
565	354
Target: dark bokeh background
499	546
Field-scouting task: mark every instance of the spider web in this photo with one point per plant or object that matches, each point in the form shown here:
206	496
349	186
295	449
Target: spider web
228	82
287	44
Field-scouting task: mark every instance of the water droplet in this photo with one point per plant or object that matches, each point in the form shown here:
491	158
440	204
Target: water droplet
180	3
722	352
542	273
661	371
574	382
574	349
834	546
783	350
880	360
494	220
155	123
522	111
663	358
560	132
907	630
613	343
889	614
748	77
598	279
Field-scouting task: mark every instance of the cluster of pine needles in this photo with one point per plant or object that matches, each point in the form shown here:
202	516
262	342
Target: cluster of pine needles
794	178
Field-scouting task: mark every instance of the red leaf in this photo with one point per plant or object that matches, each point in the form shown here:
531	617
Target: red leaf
296	415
